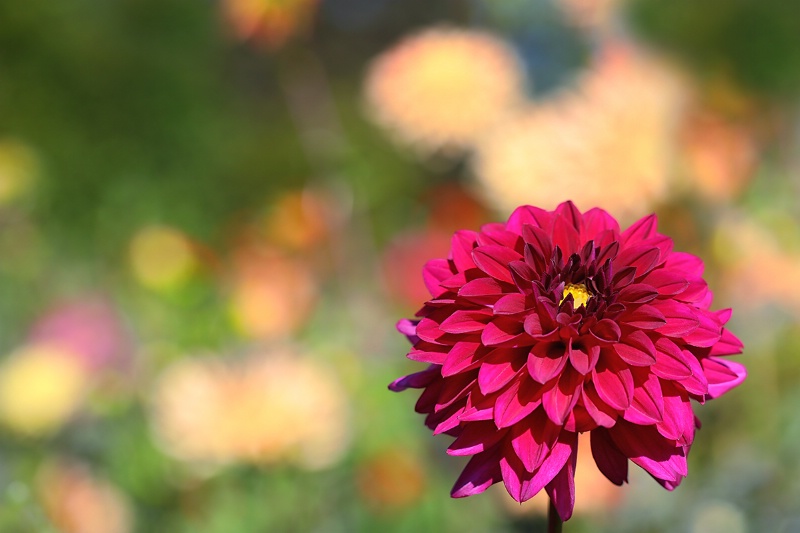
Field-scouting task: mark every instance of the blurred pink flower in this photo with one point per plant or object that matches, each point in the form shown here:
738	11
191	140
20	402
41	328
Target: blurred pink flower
559	323
441	88
90	328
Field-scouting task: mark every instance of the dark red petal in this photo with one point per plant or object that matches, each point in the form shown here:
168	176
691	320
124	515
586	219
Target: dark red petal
637	293
546	360
722	375
644	317
606	330
465	321
559	400
461	357
643	258
636	349
681	320
539	240
461	246
418	380
481	472
624	276
477	437
614	383
610	461
494	260
671	362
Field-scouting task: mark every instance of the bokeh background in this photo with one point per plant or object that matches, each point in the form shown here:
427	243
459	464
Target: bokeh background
212	213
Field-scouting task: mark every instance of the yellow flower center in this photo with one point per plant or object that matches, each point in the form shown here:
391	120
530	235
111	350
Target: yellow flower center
579	294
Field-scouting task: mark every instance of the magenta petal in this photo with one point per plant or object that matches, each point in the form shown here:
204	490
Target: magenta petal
523	485
642	229
476	438
498	369
533	440
637	293
680	319
562	488
636	349
428	356
565	236
481	472
527	214
671	361
434	273
689	265
697	383
666	282
546	360
600	412
510	304
645	317
483	291
462	321
560	399
596	220
610	461
643	258
606	330
648	401
614	384
539	240
722	375
500	331
515	403
707	334
647	448
408	328
678	421
461	356
494	260
461	246
728	344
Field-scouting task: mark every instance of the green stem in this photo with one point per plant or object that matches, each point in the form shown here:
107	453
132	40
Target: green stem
554	523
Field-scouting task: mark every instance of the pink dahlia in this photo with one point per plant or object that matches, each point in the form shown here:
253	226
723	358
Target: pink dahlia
558	323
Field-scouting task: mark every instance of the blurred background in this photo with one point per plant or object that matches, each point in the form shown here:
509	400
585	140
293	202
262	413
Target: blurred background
212	213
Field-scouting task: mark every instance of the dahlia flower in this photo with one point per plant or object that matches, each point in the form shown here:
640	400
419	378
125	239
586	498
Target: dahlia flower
559	323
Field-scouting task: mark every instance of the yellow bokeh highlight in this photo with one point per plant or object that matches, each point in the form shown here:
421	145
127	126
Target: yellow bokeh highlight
19	169
41	386
161	257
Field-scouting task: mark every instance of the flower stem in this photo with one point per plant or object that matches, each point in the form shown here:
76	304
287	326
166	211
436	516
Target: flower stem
554	523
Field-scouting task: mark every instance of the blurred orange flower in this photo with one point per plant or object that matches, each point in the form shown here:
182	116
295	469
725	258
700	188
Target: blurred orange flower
607	141
440	88
76	501
272	294
272	22
266	408
391	480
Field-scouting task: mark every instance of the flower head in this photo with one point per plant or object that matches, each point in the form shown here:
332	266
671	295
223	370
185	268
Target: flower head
559	323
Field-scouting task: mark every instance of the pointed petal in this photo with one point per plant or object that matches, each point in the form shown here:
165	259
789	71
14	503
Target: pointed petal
610	461
671	362
481	472
462	356
546	360
494	260
722	375
636	349
498	369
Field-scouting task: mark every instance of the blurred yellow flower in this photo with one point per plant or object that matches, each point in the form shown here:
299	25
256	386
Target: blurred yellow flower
605	142
440	88
41	387
76	501
19	169
267	408
271	294
161	257
272	22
